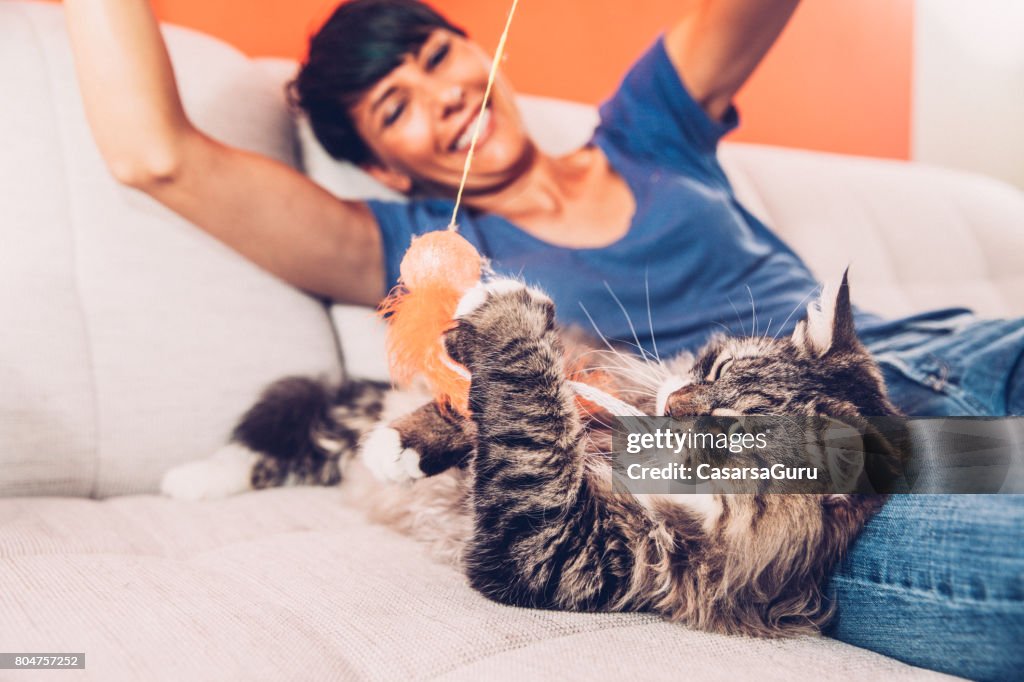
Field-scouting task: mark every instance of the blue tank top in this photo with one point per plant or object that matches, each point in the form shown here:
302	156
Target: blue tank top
693	262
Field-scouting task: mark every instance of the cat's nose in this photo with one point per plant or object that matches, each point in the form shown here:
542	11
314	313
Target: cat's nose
682	403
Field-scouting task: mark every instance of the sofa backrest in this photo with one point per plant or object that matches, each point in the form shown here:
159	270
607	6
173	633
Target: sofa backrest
130	341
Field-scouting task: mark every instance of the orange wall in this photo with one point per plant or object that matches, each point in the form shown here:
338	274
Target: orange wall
837	80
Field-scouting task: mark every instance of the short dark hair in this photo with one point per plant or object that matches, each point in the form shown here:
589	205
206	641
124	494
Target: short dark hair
363	41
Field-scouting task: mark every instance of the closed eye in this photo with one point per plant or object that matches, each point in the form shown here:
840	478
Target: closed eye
394	114
721	366
437	56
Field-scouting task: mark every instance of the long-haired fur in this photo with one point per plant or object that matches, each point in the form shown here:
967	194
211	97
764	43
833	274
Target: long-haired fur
520	495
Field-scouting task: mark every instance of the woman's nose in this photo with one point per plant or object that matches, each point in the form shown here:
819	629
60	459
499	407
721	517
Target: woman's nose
452	98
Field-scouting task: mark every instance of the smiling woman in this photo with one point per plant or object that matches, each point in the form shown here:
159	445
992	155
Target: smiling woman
418	121
348	58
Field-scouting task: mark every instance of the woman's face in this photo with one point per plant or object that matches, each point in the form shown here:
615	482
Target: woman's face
419	119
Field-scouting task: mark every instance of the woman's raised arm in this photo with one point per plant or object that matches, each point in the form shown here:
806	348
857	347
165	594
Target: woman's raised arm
719	43
264	209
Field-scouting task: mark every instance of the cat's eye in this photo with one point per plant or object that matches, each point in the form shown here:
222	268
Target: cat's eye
721	366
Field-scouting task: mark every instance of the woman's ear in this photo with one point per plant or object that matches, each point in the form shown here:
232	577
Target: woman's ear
389	177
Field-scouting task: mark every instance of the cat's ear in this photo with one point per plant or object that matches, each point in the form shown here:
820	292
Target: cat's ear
829	323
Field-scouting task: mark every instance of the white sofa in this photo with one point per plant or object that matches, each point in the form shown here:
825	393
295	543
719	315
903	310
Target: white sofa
130	341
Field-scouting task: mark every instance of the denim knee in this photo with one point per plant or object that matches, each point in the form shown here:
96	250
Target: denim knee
937	581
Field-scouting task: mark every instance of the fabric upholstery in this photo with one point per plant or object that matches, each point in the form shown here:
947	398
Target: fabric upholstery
289	584
130	340
915	237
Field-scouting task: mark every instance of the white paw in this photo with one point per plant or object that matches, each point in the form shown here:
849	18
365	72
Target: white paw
475	297
387	460
228	472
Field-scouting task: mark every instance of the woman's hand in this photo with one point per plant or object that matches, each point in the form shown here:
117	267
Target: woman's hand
719	43
264	209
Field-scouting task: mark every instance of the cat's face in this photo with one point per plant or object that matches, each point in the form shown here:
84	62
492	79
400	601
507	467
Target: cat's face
822	369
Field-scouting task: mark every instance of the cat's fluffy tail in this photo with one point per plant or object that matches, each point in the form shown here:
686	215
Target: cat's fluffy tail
300	430
306	430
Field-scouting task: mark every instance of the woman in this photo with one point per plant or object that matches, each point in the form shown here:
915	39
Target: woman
642	220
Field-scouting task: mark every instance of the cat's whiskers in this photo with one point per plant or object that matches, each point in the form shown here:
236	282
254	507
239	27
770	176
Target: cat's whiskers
597	330
793	312
753	309
638	394
739	320
649	381
650	320
627	362
640	390
724	327
626	359
604	399
592	416
643	351
629	366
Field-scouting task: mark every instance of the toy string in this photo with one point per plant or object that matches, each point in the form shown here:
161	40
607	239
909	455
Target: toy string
591	393
483	107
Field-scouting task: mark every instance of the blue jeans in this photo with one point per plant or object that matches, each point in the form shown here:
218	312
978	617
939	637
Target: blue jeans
937	581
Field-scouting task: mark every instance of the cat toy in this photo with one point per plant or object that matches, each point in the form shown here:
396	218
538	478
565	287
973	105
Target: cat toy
437	269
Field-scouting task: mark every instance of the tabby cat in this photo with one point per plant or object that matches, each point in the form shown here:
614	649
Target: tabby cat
520	495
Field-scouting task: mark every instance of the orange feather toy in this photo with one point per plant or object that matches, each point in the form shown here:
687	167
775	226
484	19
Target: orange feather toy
437	270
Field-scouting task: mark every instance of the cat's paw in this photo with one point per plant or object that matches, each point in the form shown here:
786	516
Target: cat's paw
484	291
383	454
493	313
227	473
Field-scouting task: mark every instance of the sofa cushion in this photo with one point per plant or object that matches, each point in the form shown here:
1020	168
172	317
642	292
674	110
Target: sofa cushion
131	341
291	584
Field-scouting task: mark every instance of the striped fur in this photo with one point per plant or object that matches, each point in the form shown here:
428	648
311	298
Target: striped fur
549	532
520	495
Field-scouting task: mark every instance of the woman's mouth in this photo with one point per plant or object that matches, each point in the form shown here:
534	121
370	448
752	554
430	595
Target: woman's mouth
483	120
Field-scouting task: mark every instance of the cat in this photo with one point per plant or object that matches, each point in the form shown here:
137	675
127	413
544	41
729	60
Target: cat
520	496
